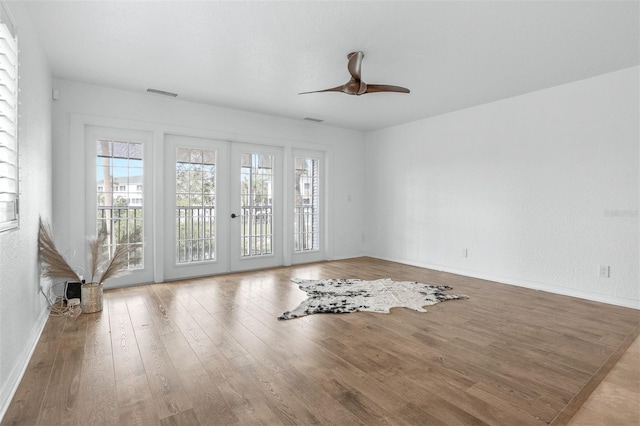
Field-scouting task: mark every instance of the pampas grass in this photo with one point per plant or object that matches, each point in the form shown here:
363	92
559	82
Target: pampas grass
102	267
97	255
118	263
54	264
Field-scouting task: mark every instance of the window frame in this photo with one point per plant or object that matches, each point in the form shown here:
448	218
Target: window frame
118	131
212	220
300	236
113	161
319	253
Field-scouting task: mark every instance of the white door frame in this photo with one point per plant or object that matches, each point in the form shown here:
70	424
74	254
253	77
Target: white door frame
92	134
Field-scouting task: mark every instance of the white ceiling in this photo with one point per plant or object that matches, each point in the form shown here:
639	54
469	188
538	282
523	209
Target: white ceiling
256	56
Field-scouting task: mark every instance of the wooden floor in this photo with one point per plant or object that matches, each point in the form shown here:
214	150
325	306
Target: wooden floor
210	351
616	400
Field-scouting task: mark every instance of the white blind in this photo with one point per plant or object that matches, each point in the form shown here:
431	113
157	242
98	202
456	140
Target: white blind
8	124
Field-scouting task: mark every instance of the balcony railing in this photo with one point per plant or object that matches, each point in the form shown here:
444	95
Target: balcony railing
195	233
305	228
123	225
256	231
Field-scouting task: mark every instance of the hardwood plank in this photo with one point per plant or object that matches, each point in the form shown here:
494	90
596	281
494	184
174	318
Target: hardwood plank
61	376
321	405
284	405
126	355
163	379
218	335
158	312
183	418
245	398
138	312
580	397
209	404
98	342
182	356
616	401
62	399
135	401
27	402
99	404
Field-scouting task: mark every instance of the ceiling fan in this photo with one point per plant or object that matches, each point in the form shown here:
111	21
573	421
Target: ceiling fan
356	86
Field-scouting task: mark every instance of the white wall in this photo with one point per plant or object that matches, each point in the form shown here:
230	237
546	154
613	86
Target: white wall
22	307
344	149
540	188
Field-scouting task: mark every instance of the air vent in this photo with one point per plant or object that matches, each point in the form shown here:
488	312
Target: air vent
162	92
315	120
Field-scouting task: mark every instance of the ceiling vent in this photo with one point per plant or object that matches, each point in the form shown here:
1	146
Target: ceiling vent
162	92
315	120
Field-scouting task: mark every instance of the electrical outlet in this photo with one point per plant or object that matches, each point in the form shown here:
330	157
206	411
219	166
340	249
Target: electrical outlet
604	271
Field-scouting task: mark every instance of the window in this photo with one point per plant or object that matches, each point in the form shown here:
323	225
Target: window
306	205
195	205
257	178
118	163
8	123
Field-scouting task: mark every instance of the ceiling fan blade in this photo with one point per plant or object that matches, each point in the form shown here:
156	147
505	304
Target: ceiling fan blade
373	88
333	89
356	86
355	64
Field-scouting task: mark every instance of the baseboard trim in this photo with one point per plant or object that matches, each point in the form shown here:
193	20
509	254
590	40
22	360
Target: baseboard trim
8	390
534	285
355	256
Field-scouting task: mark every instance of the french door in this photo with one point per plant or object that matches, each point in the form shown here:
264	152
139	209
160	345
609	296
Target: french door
256	207
223	207
196	197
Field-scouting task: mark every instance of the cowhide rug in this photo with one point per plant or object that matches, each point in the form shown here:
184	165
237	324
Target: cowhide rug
339	296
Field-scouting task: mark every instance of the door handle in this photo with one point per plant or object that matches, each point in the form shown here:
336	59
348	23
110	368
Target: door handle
233	216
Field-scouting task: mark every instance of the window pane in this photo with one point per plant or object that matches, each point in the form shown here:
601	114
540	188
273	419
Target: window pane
306	205
256	178
195	205
119	187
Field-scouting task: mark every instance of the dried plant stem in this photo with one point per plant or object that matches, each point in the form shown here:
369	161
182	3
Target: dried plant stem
103	268
118	264
97	255
54	264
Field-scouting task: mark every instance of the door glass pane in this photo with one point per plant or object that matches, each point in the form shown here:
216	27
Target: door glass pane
256	217
195	205
119	180
306	205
